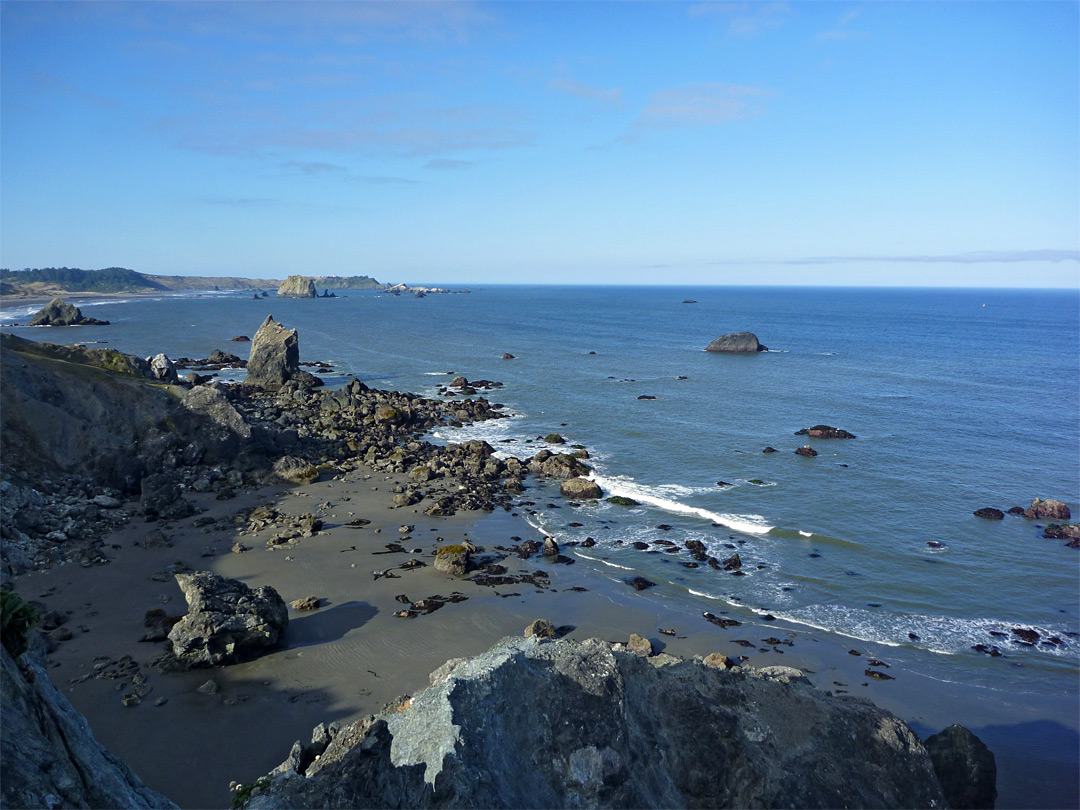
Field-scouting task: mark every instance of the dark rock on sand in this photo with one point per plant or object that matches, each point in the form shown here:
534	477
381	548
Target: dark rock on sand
1049	509
965	767
453	559
990	513
736	343
824	432
619	730
161	497
295	470
541	628
806	450
227	622
57	313
48	755
297	287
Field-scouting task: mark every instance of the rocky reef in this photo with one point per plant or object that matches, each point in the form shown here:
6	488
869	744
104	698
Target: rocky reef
736	343
543	722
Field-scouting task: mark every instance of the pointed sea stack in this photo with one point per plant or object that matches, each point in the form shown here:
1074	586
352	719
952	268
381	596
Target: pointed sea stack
736	343
275	358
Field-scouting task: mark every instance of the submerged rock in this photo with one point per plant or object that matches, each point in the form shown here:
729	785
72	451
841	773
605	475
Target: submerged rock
57	313
593	727
736	343
227	621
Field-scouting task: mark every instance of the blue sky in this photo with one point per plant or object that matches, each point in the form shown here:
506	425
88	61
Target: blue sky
699	143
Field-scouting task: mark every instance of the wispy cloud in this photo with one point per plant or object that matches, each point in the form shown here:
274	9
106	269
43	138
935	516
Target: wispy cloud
747	19
449	164
239	202
972	257
312	168
842	30
702	105
575	88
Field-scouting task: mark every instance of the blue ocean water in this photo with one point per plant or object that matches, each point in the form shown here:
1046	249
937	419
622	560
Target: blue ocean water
959	400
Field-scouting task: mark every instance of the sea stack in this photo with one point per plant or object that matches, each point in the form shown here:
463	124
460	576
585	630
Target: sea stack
736	343
57	313
275	357
297	287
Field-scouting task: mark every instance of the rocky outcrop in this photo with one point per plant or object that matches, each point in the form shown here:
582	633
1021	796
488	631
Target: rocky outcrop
297	287
295	470
48	755
1049	509
556	465
161	497
57	313
227	621
824	432
581	489
559	723
736	343
162	368
275	357
965	767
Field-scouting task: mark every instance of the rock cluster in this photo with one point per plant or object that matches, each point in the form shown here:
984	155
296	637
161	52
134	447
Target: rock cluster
57	313
1049	509
736	343
621	729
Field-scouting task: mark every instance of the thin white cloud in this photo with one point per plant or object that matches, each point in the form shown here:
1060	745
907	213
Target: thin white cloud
449	164
575	88
702	105
746	19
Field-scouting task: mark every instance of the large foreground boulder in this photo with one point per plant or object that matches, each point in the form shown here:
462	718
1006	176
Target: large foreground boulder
275	357
227	622
736	343
297	287
57	313
965	767
48	755
560	723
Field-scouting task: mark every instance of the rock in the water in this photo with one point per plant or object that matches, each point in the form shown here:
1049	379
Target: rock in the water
1049	509
592	727
241	339
48	755
824	432
275	357
620	500
640	583
227	621
162	368
736	343
990	513
297	287
1068	531
806	450
507	356
965	767
453	560
541	628
57	313
581	489
295	470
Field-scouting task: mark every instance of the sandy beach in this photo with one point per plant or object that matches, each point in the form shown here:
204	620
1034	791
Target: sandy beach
352	656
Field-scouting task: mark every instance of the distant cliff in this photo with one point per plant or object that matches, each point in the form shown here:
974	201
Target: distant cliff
50	281
346	283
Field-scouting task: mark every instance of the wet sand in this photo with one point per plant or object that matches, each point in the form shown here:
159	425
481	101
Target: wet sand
352	656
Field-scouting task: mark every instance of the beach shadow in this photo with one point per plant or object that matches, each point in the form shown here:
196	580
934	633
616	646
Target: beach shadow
327	624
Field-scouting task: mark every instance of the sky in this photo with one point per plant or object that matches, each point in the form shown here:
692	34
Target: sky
805	143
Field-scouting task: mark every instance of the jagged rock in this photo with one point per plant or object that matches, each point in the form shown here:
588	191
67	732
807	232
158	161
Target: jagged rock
57	313
736	343
541	628
965	767
226	622
275	357
717	661
162	368
550	548
161	498
1049	509
581	489
48	754
295	470
617	731
297	287
990	513
639	645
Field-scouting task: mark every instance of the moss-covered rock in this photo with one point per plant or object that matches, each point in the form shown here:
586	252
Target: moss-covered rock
619	500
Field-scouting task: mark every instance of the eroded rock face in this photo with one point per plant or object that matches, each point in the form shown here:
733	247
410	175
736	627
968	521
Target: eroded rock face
297	287
57	313
48	755
600	728
965	767
227	621
736	343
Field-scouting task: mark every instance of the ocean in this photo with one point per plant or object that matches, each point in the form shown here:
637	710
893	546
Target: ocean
958	399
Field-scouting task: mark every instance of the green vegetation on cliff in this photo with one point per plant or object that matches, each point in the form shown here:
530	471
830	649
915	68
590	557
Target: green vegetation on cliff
109	280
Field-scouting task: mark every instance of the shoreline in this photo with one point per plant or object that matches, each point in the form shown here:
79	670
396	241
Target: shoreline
352	656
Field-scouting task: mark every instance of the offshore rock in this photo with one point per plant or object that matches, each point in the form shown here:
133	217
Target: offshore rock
556	465
227	621
275	357
297	287
48	755
989	513
581	489
965	767
824	432
736	343
57	313
1049	509
560	723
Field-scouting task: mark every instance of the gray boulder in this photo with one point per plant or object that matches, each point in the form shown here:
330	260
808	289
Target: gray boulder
210	401
160	497
965	767
736	343
57	313
275	355
48	754
297	287
295	470
162	368
560	723
227	621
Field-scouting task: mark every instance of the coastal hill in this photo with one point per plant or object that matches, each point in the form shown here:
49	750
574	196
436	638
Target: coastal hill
51	281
